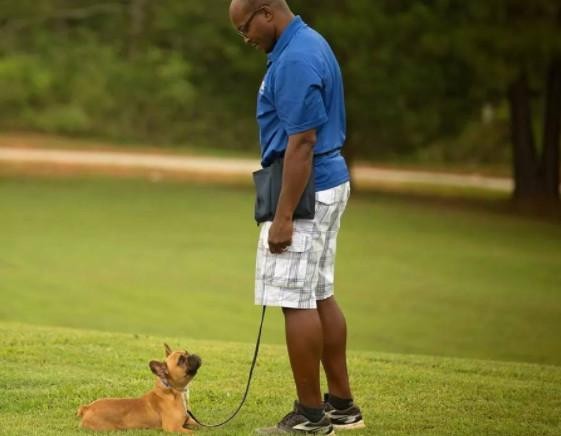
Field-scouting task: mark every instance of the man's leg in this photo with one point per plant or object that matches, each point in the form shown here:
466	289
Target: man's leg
304	340
334	358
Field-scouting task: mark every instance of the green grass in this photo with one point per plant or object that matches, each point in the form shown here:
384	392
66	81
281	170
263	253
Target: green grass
172	262
48	372
177	259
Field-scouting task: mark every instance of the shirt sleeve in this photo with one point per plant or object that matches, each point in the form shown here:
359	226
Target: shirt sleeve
298	96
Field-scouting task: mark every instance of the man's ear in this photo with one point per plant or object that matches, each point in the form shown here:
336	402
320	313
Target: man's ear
159	368
168	350
268	13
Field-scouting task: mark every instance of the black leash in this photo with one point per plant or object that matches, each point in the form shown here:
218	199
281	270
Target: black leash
248	380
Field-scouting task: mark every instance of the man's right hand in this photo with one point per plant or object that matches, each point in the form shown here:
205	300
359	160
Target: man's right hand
280	235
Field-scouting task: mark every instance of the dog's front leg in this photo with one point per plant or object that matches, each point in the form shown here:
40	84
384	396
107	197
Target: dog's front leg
173	425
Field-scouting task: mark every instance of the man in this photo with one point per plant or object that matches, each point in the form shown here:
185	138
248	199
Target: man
301	116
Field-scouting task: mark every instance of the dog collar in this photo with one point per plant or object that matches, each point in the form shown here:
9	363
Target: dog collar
186	400
169	386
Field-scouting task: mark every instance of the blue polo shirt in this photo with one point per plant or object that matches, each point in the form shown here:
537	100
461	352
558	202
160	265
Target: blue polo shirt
302	90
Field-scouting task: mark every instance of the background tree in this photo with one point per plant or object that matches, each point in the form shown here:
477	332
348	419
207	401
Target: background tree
419	71
514	49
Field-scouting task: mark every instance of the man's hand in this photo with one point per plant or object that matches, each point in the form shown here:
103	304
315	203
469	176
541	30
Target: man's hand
297	169
280	235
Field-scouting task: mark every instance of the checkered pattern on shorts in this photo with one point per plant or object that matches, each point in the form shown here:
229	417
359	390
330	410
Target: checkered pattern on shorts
304	273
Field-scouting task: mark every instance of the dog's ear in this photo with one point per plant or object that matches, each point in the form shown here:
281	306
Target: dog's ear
168	350
159	368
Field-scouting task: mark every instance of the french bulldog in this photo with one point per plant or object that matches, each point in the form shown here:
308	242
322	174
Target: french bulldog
164	407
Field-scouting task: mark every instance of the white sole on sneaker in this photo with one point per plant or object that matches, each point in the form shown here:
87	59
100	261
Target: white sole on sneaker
354	426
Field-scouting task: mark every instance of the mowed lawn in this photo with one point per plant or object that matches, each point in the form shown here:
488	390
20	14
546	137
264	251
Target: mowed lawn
47	372
177	260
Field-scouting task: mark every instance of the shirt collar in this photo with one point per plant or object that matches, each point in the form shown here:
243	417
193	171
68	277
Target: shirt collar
286	36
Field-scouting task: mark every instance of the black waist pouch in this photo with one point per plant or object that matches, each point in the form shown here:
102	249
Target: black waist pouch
268	182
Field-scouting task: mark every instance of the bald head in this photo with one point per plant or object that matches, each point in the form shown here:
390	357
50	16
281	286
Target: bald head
251	5
260	22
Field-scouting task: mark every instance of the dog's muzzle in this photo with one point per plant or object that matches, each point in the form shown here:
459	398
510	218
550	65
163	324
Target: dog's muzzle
194	362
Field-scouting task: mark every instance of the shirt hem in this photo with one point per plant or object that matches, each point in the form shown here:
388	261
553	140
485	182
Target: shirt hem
333	184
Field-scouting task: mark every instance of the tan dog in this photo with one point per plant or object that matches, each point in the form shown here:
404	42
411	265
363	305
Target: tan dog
163	407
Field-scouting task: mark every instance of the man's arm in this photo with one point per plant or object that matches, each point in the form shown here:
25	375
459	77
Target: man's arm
298	161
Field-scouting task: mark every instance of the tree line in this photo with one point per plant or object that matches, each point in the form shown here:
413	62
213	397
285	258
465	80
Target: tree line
434	80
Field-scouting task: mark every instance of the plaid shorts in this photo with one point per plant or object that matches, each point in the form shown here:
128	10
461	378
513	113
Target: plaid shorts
304	272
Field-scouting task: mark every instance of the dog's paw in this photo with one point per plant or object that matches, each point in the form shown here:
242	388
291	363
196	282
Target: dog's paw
190	424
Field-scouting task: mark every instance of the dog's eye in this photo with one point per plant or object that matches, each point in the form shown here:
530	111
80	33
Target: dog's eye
181	360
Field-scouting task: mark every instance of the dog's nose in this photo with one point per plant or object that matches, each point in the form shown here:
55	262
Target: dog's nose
194	363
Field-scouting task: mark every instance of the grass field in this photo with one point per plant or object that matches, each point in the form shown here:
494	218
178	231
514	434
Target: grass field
48	372
173	259
95	274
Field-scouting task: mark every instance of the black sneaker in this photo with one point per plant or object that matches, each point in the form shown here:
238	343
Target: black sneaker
296	422
347	419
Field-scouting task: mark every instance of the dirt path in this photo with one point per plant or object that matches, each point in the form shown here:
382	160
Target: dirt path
207	168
